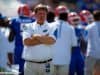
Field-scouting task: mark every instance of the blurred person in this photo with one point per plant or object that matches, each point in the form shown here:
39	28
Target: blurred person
38	40
93	50
86	17
18	26
3	40
77	57
50	15
75	20
66	39
6	42
32	15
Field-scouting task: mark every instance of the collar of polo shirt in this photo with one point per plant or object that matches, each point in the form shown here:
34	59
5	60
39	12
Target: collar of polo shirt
45	23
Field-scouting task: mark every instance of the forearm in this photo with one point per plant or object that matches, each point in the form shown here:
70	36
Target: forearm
47	40
31	42
38	39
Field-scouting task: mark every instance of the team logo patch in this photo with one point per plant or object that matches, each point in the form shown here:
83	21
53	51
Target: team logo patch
45	30
24	27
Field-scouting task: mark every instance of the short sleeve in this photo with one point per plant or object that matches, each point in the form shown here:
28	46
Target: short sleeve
27	32
53	32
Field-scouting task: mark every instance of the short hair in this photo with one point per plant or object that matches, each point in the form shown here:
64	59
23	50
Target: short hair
96	15
40	7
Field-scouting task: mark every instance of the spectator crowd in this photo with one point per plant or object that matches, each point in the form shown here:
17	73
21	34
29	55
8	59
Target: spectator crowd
51	40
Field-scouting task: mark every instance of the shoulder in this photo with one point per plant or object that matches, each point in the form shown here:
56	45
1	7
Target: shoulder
14	19
68	26
53	24
30	25
91	26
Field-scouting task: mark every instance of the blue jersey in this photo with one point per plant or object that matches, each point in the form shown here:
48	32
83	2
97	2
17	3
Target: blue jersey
16	26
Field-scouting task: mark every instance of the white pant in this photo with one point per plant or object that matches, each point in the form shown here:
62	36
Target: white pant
38	69
61	69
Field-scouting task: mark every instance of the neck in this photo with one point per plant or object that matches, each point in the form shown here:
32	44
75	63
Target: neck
40	23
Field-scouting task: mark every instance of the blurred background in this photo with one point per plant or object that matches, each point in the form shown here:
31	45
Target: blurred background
9	7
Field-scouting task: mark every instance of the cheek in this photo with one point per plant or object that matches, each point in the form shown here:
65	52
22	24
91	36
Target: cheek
85	17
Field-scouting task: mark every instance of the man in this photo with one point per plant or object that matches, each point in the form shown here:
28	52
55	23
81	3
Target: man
3	42
77	55
86	17
66	39
6	42
93	50
38	38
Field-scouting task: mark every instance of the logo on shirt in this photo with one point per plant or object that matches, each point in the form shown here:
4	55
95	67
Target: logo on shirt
45	30
24	27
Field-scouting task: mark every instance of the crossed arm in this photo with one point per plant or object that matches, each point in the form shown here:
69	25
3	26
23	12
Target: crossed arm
39	39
